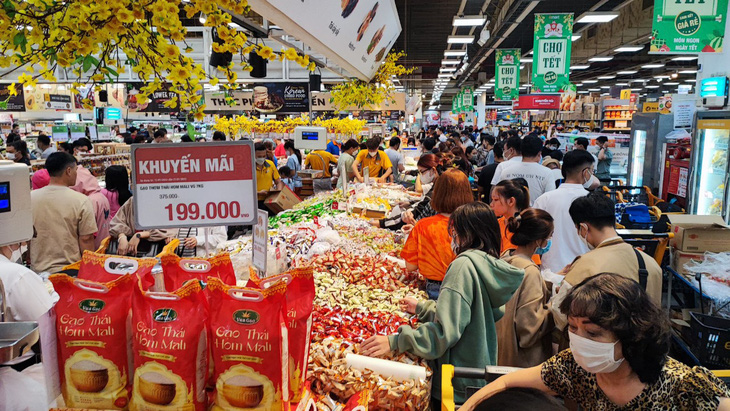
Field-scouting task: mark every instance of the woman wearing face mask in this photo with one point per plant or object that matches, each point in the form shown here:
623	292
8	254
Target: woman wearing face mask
619	341
294	162
509	198
524	331
459	329
428	246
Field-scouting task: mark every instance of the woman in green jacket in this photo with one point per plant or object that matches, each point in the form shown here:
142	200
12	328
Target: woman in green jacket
459	328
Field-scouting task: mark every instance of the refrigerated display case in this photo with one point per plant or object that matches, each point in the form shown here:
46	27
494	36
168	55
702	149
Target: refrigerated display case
676	169
708	181
648	135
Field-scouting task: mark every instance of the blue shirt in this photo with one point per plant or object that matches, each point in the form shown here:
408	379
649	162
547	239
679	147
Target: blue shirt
293	163
333	149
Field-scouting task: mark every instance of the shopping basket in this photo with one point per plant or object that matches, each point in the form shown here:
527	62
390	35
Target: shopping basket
449	372
711	340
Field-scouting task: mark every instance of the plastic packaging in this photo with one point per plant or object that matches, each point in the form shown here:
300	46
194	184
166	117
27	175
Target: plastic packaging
392	369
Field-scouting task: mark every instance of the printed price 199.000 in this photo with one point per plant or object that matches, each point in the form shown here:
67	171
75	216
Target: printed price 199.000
211	211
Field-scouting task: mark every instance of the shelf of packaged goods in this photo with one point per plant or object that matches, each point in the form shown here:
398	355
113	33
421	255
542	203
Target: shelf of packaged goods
616	129
619	109
616	119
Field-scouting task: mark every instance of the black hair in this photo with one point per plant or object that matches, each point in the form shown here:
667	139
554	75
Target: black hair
373	144
554	141
394	142
455	135
514	189
488	138
219	136
620	305
498	149
582	141
514	143
575	162
476	228
595	209
520	399
513	133
259	147
469	150
429	144
531	145
503	135
289	145
350	144
132	129
530	225
66	146
602	139
163	129
557	154
83	142
411	141
185	139
159	134
116	179
284	171
57	163
21	147
44	139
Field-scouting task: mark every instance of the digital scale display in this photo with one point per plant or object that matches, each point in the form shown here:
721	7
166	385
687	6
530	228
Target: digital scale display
310	135
4	197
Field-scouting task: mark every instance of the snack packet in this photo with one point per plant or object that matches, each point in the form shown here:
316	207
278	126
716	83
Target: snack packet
249	347
170	349
299	303
93	350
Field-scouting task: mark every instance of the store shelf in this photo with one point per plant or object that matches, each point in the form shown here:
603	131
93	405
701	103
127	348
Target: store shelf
620	109
616	129
616	119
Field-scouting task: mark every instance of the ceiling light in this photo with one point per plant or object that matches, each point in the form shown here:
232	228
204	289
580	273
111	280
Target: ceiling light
583	92
579	85
432	107
46	86
580	67
447	69
622	84
606	77
444	75
652	86
575	37
597	17
671	83
202	19
638	80
665	91
454	53
626	72
636	89
590	81
605	86
529	52
661	77
526	60
450	62
652	66
688	72
522	67
601	58
594	89
460	39
690	81
469	21
685	58
605	94
628	49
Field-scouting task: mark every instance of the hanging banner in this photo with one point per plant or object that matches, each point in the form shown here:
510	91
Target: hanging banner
508	75
157	102
467	99
688	26
551	49
567	99
11	103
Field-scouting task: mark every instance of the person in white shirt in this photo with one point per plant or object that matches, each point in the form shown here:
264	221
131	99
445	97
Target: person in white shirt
512	154
44	144
27	298
577	166
540	179
193	244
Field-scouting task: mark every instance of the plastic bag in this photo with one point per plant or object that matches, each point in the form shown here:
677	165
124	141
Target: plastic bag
318	248
715	270
21	392
328	235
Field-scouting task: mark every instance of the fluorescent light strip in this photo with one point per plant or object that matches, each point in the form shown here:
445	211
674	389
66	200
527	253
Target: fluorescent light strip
606	77
622	84
652	86
652	66
580	67
446	62
688	72
672	83
526	60
596	17
469	21
444	75
627	72
628	49
454	53
685	58
590	81
594	89
600	58
447	69
575	37
460	39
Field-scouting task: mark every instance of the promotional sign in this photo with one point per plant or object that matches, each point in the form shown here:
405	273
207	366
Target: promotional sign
194	185
270	98
11	103
507	86
56	102
625	94
688	26
650	107
157	103
103	132
467	99
77	131
551	49
356	34
260	241
684	112
537	102
85	92
59	133
567	99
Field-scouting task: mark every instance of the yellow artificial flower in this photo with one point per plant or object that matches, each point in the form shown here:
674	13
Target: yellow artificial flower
291	54
12	90
311	66
27	80
266	52
125	16
213	81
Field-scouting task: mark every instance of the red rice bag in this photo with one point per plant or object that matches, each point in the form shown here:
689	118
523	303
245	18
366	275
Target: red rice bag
249	347
103	268
177	271
170	349
300	293
92	324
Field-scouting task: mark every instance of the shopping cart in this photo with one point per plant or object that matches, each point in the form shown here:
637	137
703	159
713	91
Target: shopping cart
654	244
449	372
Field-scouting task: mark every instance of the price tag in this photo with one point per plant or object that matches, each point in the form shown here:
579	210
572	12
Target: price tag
261	241
193	184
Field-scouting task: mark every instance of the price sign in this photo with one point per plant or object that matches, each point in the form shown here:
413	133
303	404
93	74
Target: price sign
260	241
193	184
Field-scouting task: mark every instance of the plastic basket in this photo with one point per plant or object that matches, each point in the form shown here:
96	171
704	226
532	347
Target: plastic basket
711	337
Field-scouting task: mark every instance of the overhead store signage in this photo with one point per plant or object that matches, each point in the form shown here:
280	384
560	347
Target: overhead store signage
507	85
357	35
193	185
551	50
243	101
77	131
59	133
266	98
537	102
11	103
159	101
467	99
688	26
57	102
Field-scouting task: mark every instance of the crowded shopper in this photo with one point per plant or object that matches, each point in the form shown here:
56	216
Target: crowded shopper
524	332
345	162
320	160
287	176
87	185
116	188
509	199
396	159
512	154
428	248
160	136
63	220
428	146
294	162
45	146
539	178
594	218
333	147
200	241
26	297
577	167
269	144
17	151
123	229
82	146
459	329
618	357
484	182
267	176
605	158
375	160
484	151
219	136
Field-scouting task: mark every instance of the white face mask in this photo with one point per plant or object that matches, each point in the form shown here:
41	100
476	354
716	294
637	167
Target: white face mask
454	247
260	161
16	256
593	356
372	155
584	240
588	183
427	178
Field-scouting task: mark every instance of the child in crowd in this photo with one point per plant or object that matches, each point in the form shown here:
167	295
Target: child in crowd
287	176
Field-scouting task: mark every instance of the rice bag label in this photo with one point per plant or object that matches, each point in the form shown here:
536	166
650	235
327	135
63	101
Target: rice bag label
178	270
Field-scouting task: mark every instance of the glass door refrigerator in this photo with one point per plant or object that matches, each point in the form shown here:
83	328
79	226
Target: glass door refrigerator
648	135
708	181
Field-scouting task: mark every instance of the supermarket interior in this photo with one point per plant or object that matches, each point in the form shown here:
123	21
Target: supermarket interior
459	205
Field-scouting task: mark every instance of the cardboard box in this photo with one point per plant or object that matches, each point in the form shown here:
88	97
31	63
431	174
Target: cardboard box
279	201
680	258
700	233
